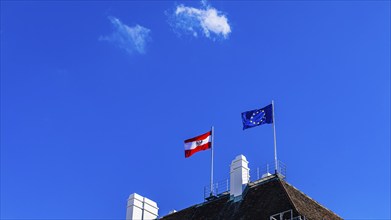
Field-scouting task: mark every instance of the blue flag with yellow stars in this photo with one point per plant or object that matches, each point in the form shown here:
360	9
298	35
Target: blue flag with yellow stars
257	117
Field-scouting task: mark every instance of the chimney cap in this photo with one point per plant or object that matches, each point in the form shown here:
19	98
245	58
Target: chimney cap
135	196
241	156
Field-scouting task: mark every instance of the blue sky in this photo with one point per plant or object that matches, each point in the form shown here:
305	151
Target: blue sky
97	98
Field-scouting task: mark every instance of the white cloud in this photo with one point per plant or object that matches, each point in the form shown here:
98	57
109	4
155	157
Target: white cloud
131	39
206	20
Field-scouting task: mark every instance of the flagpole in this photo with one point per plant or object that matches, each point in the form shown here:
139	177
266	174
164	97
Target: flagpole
275	144
211	171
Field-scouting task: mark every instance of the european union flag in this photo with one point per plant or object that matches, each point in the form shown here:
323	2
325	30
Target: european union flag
257	117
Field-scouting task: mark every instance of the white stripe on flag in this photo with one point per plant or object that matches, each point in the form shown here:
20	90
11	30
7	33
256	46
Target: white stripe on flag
194	144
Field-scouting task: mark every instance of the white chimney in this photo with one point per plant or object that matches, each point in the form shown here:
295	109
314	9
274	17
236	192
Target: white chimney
239	176
141	208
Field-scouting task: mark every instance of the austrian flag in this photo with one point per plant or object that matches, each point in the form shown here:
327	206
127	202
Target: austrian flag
199	143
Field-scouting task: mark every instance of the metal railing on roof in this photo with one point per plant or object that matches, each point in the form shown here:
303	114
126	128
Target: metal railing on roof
222	186
299	218
286	215
266	169
218	188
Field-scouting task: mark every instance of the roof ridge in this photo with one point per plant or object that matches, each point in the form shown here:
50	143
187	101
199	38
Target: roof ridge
287	194
276	177
305	196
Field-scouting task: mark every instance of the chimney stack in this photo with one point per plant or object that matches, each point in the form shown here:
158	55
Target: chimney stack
141	208
239	176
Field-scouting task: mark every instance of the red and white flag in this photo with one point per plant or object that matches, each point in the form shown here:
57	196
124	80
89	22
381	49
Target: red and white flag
199	143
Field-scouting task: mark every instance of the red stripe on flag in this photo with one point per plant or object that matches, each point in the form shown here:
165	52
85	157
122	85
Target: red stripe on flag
206	146
201	137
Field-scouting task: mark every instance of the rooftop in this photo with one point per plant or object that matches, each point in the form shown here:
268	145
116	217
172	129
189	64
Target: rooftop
268	198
